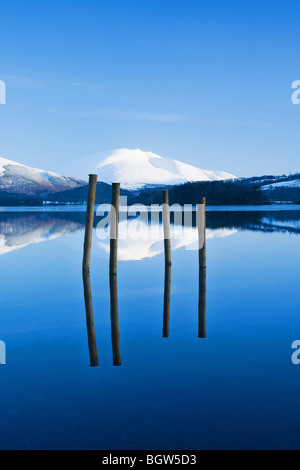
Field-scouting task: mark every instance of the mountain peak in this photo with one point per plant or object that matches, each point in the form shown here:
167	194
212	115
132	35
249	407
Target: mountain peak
134	168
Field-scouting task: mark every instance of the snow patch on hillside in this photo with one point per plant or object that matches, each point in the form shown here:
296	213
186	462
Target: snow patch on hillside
282	184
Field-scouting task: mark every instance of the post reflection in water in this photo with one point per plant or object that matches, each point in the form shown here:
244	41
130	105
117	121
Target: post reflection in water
114	316
202	303
114	313
201	222
94	362
167	301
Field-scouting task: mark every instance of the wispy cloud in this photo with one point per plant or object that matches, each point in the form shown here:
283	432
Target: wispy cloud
109	113
59	85
91	89
27	82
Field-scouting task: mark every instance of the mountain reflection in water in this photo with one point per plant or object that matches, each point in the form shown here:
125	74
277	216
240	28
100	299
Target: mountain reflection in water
18	229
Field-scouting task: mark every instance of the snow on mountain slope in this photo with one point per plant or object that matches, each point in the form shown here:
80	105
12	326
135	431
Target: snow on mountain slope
282	184
21	179
135	168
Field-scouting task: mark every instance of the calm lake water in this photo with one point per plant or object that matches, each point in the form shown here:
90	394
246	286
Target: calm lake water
237	389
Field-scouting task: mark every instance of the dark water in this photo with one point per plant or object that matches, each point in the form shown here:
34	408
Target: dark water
236	389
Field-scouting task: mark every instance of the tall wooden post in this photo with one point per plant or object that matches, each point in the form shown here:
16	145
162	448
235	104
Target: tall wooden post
113	265
94	361
201	224
89	222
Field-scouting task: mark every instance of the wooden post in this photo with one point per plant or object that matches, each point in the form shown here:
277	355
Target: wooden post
201	224
114	222
89	222
94	361
167	301
166	226
113	265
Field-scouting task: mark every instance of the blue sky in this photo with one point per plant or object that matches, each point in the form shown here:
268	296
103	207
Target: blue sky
208	83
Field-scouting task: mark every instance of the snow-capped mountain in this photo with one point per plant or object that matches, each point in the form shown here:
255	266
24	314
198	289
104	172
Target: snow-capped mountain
21	179
135	168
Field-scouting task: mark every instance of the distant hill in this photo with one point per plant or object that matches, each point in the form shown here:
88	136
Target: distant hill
16	178
10	200
246	191
79	195
284	189
216	192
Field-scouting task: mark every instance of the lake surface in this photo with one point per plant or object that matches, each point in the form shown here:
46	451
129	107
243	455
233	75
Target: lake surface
236	389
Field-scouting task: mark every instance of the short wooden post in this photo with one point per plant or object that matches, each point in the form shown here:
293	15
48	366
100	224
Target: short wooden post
89	222
114	222
201	224
166	227
94	361
167	301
